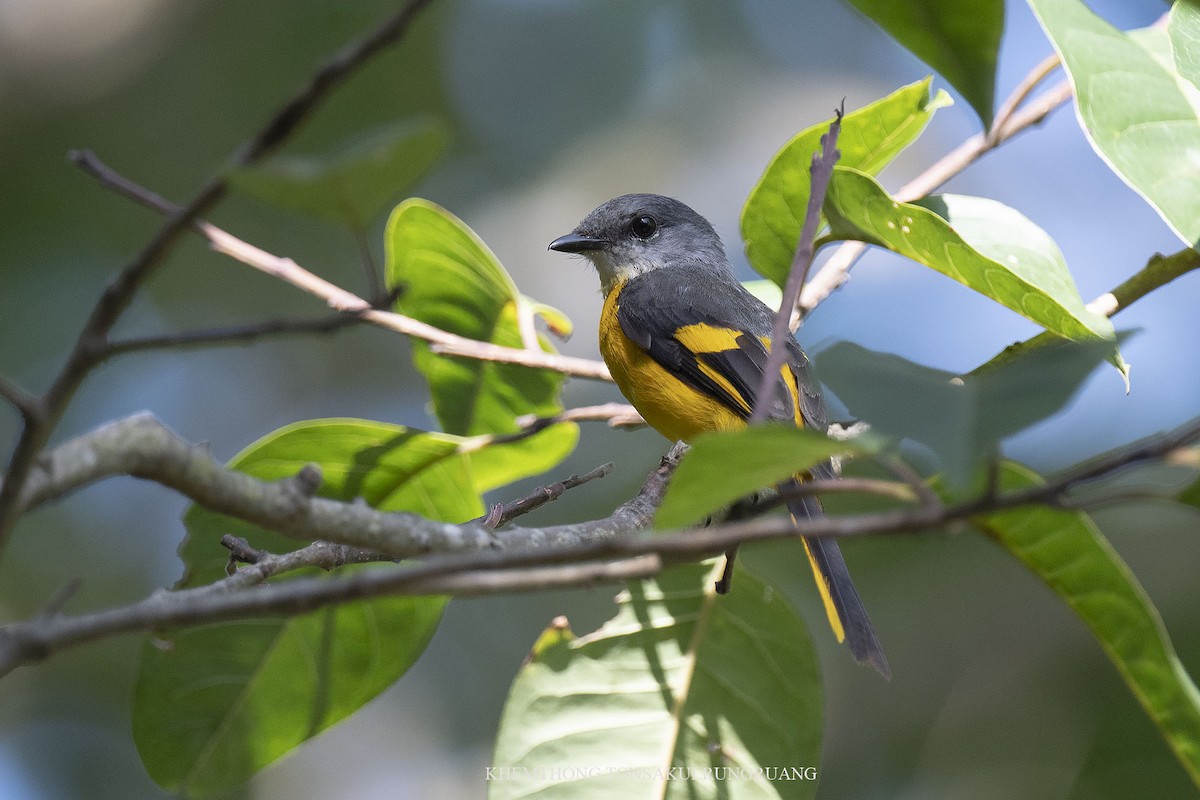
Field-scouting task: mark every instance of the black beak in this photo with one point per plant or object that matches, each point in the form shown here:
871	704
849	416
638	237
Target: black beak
576	243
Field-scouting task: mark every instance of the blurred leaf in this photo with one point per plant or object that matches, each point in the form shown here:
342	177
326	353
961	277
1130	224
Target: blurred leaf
1147	481
679	679
962	421
353	186
724	467
980	243
216	703
1189	458
1183	26
1137	114
958	38
870	138
454	282
1065	550
767	291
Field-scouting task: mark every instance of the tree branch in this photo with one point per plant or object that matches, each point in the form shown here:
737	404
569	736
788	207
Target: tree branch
504	513
30	406
524	559
142	447
90	344
617	415
1034	78
235	334
287	270
38	639
1158	272
328	76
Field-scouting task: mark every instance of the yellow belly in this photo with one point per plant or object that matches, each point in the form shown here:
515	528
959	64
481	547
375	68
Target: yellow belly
669	405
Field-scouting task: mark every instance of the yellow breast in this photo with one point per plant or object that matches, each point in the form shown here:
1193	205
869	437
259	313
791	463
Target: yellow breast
669	405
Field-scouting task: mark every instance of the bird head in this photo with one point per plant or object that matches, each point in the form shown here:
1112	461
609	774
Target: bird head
636	233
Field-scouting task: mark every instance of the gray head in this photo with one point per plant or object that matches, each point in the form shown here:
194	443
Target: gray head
635	233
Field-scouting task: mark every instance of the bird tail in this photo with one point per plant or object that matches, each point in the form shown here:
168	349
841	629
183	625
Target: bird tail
847	615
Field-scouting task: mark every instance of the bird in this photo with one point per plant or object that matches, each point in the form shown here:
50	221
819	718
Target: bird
686	344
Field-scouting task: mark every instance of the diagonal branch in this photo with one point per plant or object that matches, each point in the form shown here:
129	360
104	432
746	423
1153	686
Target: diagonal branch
287	270
89	347
504	513
140	446
234	334
617	415
29	405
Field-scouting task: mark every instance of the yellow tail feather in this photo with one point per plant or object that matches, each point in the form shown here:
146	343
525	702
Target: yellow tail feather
835	621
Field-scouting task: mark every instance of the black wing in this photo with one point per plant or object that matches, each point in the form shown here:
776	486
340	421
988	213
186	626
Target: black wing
708	330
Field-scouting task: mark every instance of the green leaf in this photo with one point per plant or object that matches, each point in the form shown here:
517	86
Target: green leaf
1138	113
958	38
1183	26
216	703
454	282
1065	550
962	421
871	137
354	185
724	467
980	243
680	679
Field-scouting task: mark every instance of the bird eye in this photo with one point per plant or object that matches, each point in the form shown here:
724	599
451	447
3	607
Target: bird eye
643	227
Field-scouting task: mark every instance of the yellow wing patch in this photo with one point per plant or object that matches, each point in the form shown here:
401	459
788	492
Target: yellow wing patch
703	338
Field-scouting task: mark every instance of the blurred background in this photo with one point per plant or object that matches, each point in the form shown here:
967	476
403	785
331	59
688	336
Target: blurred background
999	691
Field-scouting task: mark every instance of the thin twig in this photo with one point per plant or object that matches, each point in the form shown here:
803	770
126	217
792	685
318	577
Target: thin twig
913	480
1021	93
89	346
504	513
375	281
241	551
617	415
1159	271
822	171
872	486
263	565
328	76
287	270
29	405
60	599
235	334
485	351
38	639
845	485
